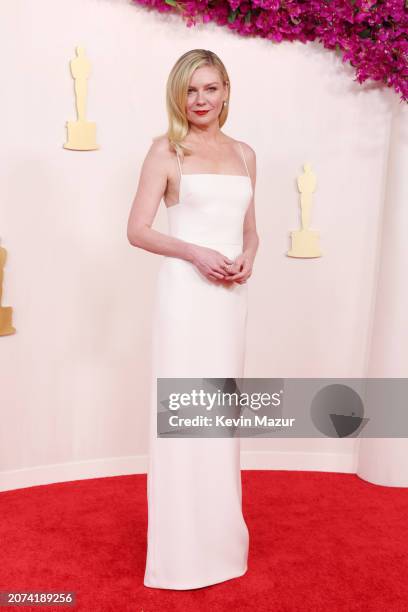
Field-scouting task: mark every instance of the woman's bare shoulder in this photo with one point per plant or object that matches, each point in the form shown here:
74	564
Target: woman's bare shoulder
249	154
161	146
248	150
160	153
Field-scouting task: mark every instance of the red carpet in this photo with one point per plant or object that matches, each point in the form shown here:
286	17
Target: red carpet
318	542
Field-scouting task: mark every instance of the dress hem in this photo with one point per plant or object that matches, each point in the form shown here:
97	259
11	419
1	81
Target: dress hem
197	586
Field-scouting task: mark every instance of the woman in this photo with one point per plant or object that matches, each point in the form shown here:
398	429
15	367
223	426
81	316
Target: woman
197	535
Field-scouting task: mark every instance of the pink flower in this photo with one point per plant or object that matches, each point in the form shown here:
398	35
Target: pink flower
372	35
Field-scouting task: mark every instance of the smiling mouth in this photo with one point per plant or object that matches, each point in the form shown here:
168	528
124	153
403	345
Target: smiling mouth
201	112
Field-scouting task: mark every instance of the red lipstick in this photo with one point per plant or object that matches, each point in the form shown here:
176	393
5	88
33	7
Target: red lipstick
202	112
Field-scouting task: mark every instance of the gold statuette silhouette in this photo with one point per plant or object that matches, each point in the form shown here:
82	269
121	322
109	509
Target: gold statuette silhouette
305	242
6	327
81	133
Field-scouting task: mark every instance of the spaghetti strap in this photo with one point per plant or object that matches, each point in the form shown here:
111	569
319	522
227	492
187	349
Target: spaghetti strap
179	165
243	157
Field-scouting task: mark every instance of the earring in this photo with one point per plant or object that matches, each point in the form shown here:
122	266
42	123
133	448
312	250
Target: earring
225	103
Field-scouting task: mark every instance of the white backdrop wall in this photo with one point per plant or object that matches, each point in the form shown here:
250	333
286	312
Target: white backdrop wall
74	378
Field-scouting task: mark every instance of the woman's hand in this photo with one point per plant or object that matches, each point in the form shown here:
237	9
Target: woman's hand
211	263
242	269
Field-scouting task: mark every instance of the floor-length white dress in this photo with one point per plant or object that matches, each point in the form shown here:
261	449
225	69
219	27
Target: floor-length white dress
197	535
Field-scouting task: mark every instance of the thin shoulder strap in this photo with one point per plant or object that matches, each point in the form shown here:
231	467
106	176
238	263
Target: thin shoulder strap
179	165
243	157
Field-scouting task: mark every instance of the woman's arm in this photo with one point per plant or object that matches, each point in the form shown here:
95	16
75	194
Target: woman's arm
151	188
250	235
251	239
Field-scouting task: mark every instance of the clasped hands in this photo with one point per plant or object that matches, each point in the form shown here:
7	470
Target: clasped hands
216	266
239	269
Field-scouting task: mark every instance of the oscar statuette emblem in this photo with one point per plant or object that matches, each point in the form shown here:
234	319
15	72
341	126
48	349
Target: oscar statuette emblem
81	133
6	327
305	242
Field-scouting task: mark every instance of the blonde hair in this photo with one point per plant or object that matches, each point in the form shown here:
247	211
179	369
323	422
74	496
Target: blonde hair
176	94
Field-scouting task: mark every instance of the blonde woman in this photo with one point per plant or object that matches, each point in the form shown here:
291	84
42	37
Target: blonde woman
197	535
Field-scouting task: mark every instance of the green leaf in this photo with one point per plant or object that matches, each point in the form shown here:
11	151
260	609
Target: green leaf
365	33
171	2
232	16
249	13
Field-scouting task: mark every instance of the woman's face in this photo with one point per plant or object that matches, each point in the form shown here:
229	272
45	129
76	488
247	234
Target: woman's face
206	93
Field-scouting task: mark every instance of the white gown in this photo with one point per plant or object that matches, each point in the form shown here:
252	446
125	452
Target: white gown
197	535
